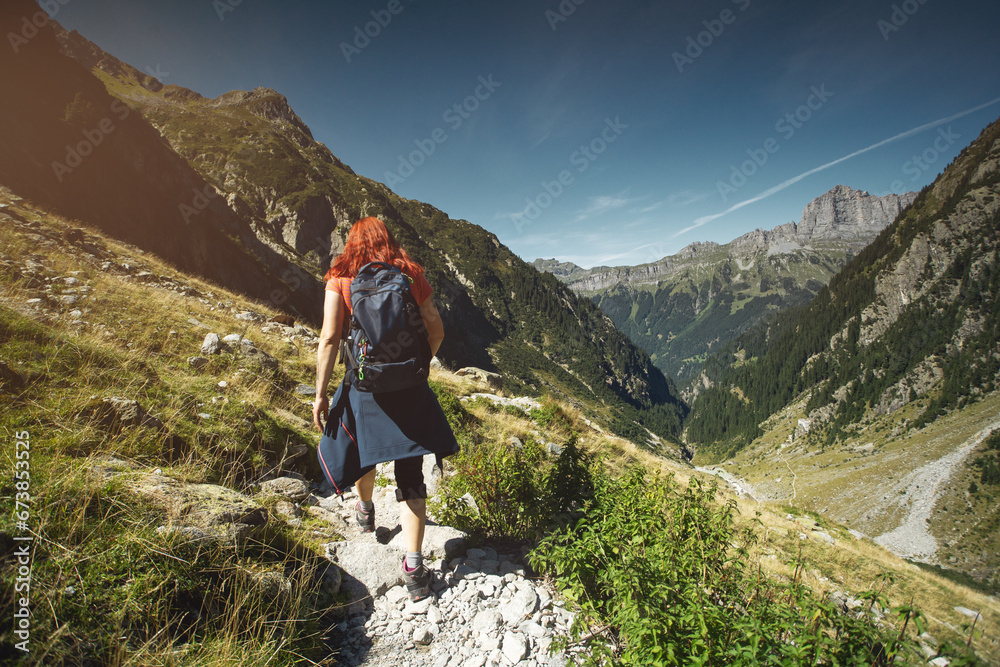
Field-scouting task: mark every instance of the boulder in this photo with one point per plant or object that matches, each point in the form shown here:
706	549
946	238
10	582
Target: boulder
370	569
258	357
486	620
212	345
515	647
422	636
439	541
826	537
522	606
197	362
290	488
202	511
494	380
288	511
305	331
336	521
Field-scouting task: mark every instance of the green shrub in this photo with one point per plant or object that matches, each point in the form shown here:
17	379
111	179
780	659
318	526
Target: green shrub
462	422
666	576
518	491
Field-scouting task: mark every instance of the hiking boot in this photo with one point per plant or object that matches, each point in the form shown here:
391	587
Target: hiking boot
366	520
418	582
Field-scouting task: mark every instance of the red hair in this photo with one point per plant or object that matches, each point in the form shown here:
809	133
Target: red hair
371	241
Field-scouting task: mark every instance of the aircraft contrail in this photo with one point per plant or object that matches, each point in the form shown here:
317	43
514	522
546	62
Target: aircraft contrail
795	179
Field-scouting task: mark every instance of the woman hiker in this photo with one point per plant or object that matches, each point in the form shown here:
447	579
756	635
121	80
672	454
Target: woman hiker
401	425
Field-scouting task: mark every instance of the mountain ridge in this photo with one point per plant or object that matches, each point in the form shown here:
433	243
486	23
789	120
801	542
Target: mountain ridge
683	307
823	219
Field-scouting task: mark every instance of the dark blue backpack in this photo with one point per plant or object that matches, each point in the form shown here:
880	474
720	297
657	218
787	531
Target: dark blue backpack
387	344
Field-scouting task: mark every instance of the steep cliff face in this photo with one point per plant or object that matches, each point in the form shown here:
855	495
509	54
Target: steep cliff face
295	201
685	306
843	214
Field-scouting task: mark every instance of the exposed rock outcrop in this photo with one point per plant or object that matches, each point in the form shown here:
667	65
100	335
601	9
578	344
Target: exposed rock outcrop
845	214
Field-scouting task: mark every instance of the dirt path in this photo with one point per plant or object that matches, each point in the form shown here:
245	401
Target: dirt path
794	477
922	488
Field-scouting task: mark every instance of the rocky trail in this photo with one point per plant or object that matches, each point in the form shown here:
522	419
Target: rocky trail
486	608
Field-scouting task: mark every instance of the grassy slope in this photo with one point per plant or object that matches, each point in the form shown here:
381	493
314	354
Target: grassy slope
99	561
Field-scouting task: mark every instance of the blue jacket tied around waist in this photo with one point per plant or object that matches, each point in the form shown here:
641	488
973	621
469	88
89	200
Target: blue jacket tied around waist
363	429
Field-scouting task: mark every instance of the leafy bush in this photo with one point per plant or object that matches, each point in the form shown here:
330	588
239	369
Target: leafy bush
517	491
666	575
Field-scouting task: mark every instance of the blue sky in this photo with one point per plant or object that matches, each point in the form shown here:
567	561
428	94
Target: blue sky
593	131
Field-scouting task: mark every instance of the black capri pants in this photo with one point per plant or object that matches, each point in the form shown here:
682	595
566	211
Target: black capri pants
409	475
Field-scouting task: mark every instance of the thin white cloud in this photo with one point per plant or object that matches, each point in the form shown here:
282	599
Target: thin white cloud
647	209
542	139
604	204
795	179
687	197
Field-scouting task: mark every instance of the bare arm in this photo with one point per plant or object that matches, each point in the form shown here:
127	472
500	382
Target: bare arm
326	353
432	321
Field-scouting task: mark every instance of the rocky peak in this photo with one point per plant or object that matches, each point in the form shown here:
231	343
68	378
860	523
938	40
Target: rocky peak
693	249
554	266
265	103
850	215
